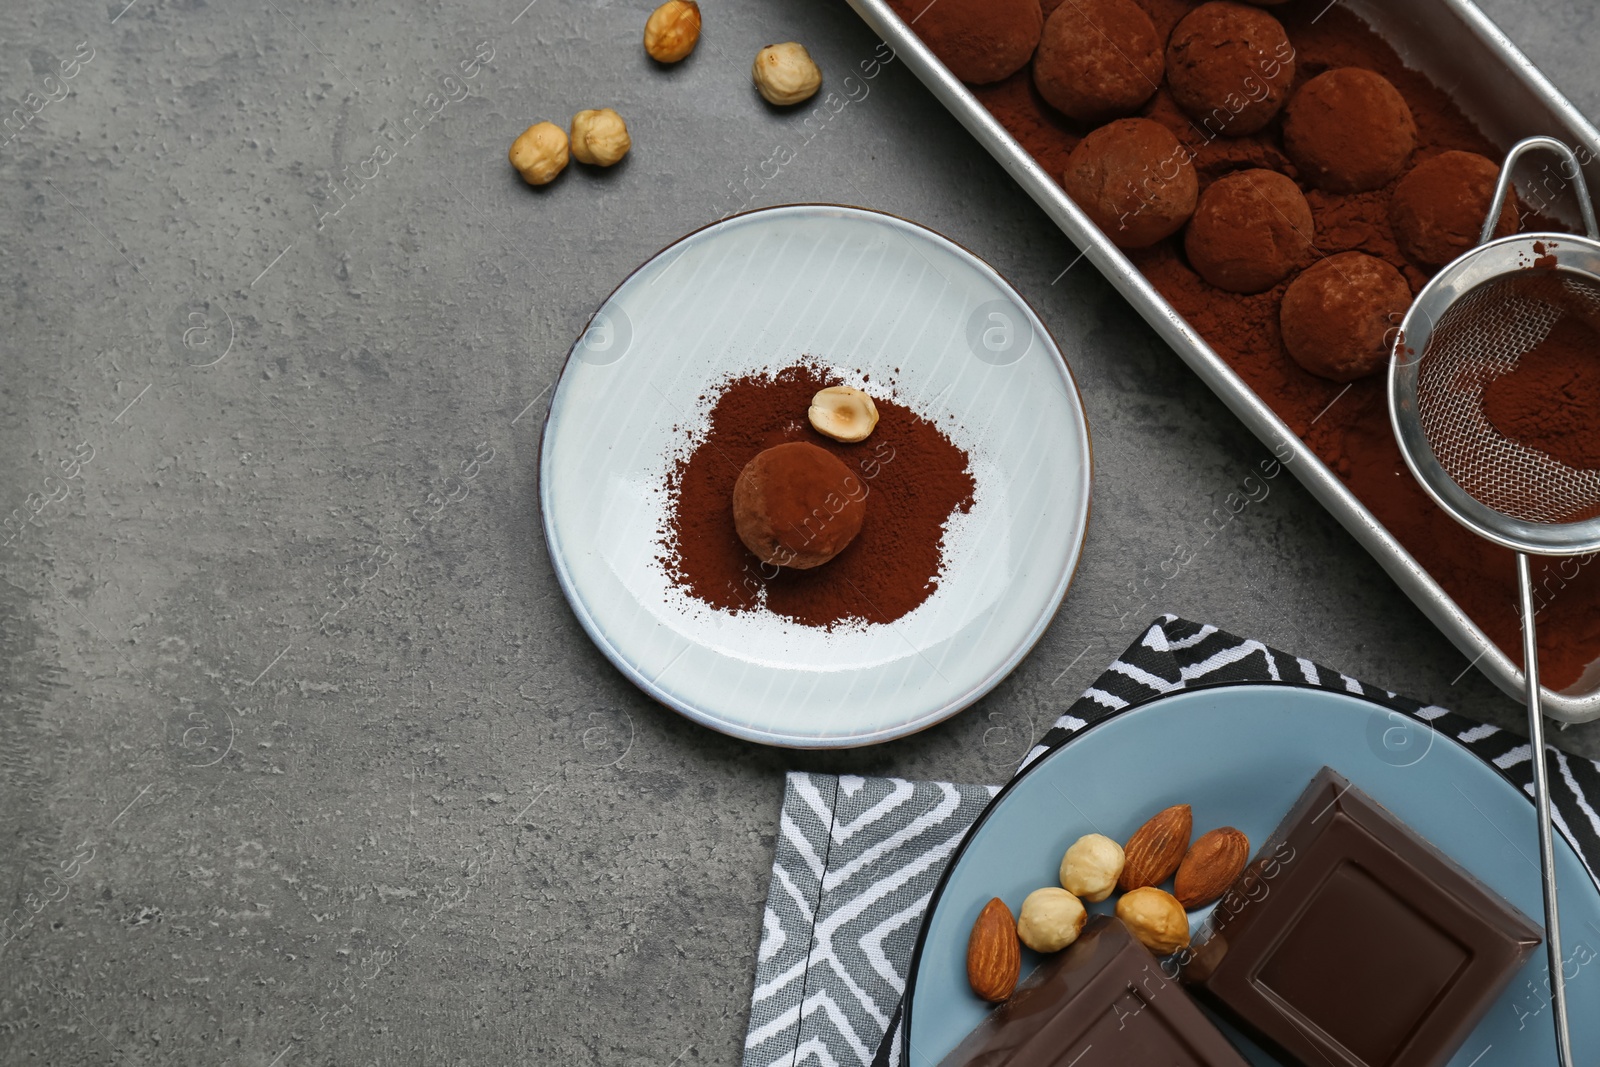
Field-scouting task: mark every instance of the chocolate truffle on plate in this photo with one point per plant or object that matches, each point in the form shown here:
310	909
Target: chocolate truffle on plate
981	41
1098	59
1135	181
1438	208
1338	314
1349	130
1250	230
1230	67
798	505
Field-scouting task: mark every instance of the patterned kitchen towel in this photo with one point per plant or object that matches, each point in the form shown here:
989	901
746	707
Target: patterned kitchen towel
858	858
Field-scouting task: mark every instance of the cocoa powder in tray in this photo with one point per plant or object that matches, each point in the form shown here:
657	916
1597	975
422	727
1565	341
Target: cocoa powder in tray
1352	436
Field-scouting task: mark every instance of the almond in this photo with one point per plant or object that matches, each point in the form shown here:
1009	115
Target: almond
994	956
1156	848
1214	862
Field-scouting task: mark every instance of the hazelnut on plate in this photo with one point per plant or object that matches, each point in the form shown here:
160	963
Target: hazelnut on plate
1155	917
843	413
1091	867
1051	919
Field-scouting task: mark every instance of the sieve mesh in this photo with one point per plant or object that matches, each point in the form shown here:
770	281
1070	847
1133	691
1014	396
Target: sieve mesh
1479	338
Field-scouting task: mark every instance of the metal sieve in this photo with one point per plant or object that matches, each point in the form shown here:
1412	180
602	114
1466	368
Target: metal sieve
1470	325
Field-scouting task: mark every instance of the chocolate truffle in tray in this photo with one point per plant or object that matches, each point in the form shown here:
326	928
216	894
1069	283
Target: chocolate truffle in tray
1098	59
1438	208
1102	1002
1350	941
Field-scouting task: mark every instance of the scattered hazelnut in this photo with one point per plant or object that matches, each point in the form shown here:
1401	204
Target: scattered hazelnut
599	137
539	153
1091	866
1051	919
786	74
672	30
843	413
1155	917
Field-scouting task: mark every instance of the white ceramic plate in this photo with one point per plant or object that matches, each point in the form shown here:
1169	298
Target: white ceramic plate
1240	755
857	291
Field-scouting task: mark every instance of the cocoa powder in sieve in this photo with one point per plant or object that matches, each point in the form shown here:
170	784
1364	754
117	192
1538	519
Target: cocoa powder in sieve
1550	399
915	479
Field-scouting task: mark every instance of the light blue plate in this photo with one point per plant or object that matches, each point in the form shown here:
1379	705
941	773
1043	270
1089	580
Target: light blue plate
1241	755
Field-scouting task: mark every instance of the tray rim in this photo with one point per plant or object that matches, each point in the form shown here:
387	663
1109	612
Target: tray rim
1415	581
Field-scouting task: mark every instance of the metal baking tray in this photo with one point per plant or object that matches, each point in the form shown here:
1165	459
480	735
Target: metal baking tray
1494	84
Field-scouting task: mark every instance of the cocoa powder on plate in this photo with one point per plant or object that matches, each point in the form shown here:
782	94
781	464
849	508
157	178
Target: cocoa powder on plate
915	480
1352	436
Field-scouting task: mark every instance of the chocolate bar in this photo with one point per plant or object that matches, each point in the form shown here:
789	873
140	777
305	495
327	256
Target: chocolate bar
1350	941
1103	1001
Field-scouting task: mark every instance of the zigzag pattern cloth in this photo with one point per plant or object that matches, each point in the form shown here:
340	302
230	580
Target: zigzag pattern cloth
857	859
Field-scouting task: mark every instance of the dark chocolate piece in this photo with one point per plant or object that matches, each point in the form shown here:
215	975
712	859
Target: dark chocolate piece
1103	1001
1352	942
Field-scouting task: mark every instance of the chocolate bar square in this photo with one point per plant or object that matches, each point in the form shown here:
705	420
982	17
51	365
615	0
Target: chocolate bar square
1350	941
1103	1001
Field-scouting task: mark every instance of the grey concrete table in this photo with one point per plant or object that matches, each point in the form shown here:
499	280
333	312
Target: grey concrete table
305	760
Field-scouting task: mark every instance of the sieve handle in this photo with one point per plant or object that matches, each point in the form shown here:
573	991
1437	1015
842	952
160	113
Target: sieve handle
1502	185
1541	801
